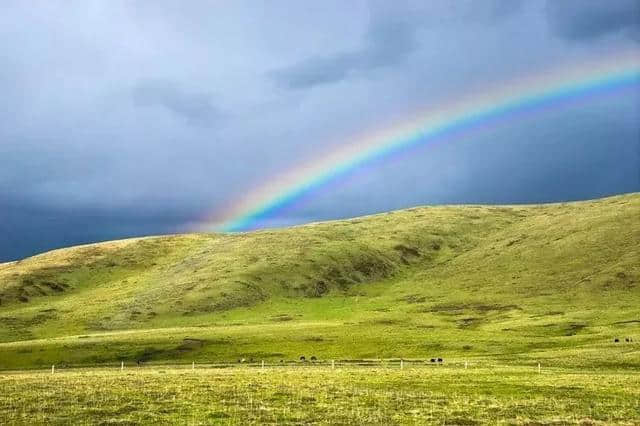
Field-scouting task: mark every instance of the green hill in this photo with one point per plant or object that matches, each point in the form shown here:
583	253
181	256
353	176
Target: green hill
555	282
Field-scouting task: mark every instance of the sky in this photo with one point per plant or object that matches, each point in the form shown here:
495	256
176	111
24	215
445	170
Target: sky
122	118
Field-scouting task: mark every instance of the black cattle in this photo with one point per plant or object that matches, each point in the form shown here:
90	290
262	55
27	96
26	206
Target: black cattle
433	360
616	340
313	358
302	358
439	359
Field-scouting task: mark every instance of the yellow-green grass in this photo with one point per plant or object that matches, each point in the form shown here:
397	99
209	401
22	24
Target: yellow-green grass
512	284
449	394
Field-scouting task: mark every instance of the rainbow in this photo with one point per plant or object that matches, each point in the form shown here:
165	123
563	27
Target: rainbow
524	96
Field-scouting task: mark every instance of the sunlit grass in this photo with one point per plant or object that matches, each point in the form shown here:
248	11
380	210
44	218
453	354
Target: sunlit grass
347	395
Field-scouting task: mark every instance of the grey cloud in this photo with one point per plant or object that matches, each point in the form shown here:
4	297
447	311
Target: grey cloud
391	37
500	9
590	19
483	12
196	107
316	71
388	42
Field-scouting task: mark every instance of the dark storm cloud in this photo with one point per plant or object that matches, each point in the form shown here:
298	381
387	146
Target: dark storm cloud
196	108
28	229
590	19
577	155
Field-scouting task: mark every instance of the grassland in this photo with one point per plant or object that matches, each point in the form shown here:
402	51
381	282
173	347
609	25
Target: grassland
506	286
556	283
319	395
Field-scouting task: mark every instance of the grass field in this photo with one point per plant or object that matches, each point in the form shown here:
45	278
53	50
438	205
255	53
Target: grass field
319	395
495	285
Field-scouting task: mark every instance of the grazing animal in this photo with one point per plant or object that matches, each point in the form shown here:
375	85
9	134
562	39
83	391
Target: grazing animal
439	359
433	360
313	358
302	358
616	340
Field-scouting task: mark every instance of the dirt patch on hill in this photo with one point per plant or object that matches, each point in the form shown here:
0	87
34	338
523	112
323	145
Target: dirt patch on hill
456	308
413	298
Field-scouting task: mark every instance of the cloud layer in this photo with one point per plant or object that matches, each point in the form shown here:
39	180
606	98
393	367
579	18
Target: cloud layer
131	118
195	107
590	19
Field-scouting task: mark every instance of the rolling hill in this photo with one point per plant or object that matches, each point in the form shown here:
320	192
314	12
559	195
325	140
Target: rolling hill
515	284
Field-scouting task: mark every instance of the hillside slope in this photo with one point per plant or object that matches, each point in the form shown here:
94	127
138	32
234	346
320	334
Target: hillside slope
515	283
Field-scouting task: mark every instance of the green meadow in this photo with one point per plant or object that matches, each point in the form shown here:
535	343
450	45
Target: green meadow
500	287
446	394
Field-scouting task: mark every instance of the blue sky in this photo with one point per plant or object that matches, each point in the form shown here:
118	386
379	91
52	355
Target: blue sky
128	118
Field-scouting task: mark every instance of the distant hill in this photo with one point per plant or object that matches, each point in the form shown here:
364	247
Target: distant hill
556	282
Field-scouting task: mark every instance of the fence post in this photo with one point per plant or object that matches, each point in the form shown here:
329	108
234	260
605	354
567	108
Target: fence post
539	368
53	369
193	365
465	365
333	364
121	365
401	364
